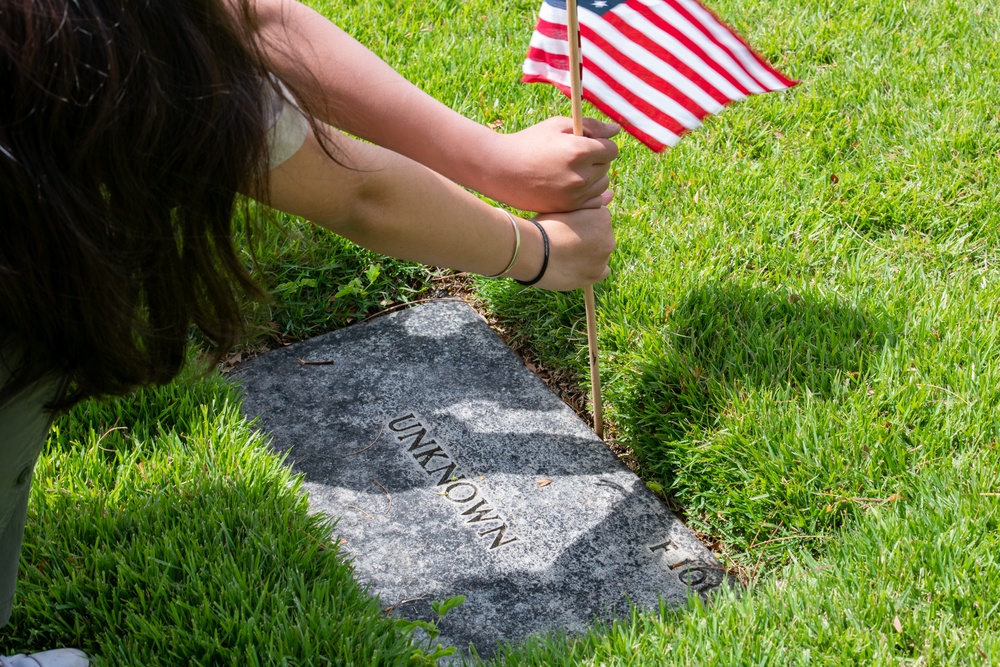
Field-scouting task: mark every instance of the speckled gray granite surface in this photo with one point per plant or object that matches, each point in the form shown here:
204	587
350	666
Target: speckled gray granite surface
453	470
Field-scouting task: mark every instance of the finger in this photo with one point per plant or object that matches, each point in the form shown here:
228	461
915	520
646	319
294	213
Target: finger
562	124
605	151
597	130
599	201
597	187
590	196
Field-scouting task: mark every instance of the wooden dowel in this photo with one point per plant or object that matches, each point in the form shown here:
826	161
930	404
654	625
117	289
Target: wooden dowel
576	98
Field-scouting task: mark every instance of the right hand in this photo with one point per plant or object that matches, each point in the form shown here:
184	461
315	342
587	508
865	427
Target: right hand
580	245
546	168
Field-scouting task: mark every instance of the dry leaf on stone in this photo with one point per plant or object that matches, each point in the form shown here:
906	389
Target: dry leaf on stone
231	360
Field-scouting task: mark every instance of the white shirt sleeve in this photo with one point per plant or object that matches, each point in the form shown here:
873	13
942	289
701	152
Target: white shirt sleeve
288	125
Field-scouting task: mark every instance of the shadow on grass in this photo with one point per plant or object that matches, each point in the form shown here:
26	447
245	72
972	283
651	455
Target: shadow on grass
726	338
213	571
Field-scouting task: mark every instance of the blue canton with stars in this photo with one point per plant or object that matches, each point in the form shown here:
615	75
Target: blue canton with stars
597	6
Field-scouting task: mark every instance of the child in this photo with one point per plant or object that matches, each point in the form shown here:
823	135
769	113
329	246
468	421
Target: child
126	134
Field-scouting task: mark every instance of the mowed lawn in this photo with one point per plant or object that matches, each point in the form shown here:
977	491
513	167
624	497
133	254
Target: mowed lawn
799	343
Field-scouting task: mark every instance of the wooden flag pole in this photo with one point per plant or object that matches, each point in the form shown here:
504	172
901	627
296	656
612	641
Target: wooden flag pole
576	97
575	68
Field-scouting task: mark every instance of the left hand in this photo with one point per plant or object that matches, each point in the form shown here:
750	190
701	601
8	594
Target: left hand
546	168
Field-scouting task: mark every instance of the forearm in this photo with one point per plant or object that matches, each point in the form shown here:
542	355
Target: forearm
395	206
398	207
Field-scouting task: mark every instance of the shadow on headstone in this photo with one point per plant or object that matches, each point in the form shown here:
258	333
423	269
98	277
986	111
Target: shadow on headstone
451	469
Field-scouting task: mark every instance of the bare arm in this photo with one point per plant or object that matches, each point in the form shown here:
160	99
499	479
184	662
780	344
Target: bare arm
395	206
542	168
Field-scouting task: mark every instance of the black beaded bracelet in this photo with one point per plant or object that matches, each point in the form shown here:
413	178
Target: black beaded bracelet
545	260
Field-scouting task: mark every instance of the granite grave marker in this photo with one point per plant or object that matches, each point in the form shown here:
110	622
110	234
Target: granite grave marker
453	470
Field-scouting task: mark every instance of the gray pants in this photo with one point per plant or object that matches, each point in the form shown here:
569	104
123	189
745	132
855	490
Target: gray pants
23	426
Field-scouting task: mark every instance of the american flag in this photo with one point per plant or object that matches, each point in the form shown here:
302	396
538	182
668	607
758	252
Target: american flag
657	67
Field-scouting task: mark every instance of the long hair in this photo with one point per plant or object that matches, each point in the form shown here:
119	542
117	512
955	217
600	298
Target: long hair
127	128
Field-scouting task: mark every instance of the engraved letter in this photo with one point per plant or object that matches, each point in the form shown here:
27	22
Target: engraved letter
692	576
447	492
424	457
498	540
395	422
479	514
670	553
418	439
449	474
669	544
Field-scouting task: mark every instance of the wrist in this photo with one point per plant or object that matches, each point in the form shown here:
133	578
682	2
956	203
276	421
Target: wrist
483	170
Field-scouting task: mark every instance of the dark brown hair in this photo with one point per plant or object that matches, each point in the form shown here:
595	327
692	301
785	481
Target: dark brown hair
127	128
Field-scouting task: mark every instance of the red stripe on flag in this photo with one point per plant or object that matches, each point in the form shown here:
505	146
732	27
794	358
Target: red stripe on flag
697	23
552	30
541	78
657	116
613	114
785	81
662	53
640	71
607	110
557	60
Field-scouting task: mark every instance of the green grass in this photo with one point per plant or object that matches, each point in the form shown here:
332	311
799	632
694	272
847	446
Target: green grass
178	539
318	281
798	341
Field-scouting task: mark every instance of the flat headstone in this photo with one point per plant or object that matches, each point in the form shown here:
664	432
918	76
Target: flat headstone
454	470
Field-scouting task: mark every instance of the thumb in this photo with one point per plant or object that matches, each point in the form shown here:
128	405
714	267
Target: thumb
598	130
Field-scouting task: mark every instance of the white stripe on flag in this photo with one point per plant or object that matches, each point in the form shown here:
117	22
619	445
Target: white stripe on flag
635	85
657	66
712	50
553	74
739	49
558	47
640	120
553	14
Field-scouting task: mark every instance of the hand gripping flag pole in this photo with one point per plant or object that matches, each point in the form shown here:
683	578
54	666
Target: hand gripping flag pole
657	67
